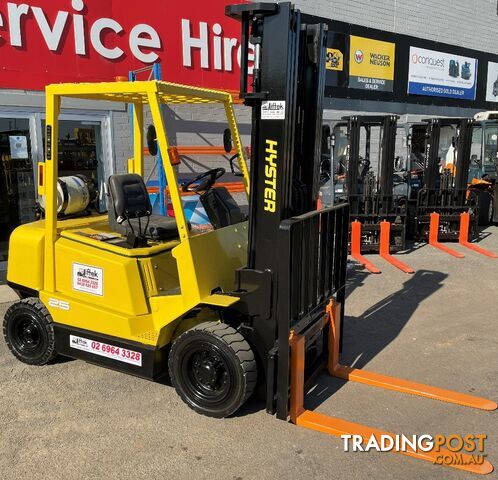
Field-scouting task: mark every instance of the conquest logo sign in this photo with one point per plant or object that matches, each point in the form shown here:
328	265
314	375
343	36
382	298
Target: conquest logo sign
270	193
441	74
425	60
371	64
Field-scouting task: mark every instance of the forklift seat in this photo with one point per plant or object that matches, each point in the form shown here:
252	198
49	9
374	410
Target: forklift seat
130	209
221	208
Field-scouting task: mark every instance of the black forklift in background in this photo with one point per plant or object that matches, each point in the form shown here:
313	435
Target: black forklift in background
445	191
369	177
484	166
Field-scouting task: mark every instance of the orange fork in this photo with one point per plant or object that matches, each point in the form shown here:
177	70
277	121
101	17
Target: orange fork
385	236
433	237
464	237
338	427
391	383
356	248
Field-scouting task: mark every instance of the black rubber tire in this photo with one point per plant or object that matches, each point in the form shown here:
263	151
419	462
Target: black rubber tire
234	357
485	209
29	332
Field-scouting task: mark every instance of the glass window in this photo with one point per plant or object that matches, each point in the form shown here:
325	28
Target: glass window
80	151
340	157
484	150
490	145
475	150
447	151
340	149
17	189
475	166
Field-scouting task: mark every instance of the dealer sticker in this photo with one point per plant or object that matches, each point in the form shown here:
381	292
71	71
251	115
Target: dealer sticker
106	350
88	279
273	110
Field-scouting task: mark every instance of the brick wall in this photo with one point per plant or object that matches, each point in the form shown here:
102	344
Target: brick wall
121	135
471	24
186	125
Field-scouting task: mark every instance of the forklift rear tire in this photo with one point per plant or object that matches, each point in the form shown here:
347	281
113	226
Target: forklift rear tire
213	369
29	332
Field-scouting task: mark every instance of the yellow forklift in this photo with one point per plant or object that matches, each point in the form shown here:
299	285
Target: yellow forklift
117	289
244	304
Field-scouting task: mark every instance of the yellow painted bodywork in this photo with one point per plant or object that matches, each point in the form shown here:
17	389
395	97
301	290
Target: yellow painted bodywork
145	291
26	256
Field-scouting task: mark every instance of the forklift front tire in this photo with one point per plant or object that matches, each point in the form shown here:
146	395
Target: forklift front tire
29	332
213	369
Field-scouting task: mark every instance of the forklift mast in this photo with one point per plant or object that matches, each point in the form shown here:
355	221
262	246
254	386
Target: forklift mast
431	172
296	253
445	191
353	158
463	145
384	180
286	96
370	192
387	162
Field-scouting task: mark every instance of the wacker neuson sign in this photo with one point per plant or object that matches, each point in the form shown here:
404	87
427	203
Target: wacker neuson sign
441	74
371	64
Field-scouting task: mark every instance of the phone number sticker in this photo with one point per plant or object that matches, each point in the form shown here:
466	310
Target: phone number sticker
106	350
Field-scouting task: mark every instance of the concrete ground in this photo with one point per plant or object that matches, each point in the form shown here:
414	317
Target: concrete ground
7	294
72	420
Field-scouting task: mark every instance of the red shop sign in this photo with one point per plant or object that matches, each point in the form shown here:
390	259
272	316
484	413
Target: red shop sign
53	41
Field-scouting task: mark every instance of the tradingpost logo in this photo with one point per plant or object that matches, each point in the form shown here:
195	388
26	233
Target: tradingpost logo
447	449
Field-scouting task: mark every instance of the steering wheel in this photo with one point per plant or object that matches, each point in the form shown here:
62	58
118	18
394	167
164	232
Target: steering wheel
204	181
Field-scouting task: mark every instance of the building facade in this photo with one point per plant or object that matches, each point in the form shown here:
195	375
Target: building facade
88	40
